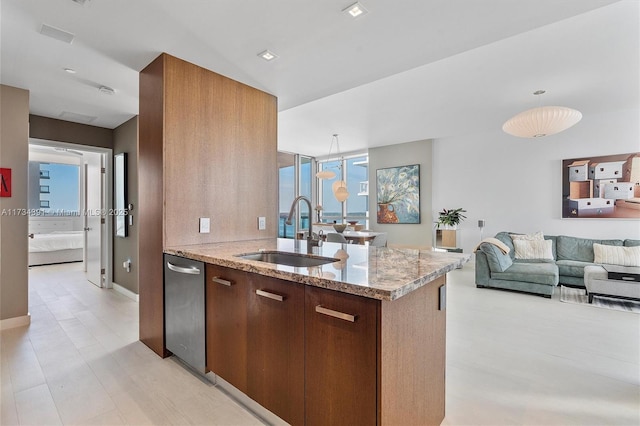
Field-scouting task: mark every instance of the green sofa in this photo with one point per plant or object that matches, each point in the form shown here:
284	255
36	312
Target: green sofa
494	269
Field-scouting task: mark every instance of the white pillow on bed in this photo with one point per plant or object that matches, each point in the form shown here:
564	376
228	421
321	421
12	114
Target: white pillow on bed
533	249
616	255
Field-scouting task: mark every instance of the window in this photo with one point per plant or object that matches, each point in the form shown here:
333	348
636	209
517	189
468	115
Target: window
54	188
354	171
331	208
295	178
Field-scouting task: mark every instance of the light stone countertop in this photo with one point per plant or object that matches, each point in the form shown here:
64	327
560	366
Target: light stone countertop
376	272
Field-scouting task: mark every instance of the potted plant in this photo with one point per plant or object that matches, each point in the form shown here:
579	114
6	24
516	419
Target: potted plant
450	218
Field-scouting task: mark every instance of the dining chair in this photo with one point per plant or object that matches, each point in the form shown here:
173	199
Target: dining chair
379	241
334	237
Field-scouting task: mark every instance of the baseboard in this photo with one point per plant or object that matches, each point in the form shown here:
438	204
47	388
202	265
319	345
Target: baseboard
15	322
264	415
126	292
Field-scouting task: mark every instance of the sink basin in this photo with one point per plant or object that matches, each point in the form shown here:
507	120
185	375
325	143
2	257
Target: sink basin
289	259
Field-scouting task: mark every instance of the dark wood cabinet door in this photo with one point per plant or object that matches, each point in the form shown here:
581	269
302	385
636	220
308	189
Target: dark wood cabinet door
275	377
226	293
341	351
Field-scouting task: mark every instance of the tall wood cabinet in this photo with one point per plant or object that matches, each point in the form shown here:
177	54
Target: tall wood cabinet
207	147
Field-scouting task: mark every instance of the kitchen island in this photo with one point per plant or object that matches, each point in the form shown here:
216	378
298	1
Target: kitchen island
357	340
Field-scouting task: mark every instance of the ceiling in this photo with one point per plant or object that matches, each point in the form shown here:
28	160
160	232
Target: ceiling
407	70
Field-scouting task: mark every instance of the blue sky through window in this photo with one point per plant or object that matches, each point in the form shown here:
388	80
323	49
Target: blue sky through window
64	187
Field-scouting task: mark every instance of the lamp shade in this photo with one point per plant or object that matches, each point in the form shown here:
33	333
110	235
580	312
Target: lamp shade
326	174
337	184
541	121
341	193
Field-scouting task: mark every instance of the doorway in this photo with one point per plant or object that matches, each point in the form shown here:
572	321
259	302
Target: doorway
86	172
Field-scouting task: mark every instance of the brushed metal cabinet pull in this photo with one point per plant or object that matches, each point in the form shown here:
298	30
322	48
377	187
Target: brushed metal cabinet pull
270	295
336	314
221	281
183	270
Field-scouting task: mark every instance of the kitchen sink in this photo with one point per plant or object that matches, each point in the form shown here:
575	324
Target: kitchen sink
289	259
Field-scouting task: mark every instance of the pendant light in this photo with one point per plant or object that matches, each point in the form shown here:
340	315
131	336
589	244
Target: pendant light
340	187
541	121
328	174
341	193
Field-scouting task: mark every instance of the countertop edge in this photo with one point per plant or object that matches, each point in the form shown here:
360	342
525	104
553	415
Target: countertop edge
270	270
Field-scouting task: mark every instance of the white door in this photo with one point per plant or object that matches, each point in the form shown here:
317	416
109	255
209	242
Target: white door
94	209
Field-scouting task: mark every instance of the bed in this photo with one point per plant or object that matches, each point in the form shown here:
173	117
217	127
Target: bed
52	242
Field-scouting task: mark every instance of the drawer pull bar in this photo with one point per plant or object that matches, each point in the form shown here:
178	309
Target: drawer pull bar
221	281
270	295
340	315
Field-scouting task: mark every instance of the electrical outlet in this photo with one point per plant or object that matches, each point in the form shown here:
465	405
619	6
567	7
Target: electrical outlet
262	223
205	225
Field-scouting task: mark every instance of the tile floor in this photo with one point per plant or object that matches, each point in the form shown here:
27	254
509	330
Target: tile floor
512	359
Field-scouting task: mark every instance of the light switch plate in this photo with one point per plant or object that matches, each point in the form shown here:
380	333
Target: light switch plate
205	225
262	223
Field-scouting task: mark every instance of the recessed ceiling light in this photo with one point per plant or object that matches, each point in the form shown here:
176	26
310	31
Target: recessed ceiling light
267	55
57	33
70	70
107	90
355	10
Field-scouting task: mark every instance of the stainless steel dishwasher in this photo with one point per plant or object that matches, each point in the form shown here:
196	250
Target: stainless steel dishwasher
184	310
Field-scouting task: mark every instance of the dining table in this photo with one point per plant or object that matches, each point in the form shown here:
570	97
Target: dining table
361	237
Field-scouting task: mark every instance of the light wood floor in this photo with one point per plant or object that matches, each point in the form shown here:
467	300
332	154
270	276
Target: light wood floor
512	359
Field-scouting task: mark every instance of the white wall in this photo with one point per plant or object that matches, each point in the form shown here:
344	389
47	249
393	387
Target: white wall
515	184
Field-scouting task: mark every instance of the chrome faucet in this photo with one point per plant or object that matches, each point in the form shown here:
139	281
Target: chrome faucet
311	242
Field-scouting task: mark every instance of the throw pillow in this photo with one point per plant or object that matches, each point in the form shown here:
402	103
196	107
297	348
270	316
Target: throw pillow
529	237
616	255
533	249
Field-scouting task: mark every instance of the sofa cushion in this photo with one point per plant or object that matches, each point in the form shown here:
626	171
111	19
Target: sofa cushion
498	261
505	238
535	236
534	261
533	249
572	268
614	255
580	249
631	243
539	273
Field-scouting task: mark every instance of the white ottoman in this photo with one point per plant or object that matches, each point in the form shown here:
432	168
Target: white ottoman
597	283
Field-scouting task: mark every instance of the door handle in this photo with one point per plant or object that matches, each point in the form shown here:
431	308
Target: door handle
336	314
221	281
270	295
86	229
181	269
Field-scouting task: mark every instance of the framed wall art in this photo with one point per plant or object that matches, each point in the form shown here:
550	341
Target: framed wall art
398	194
601	187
